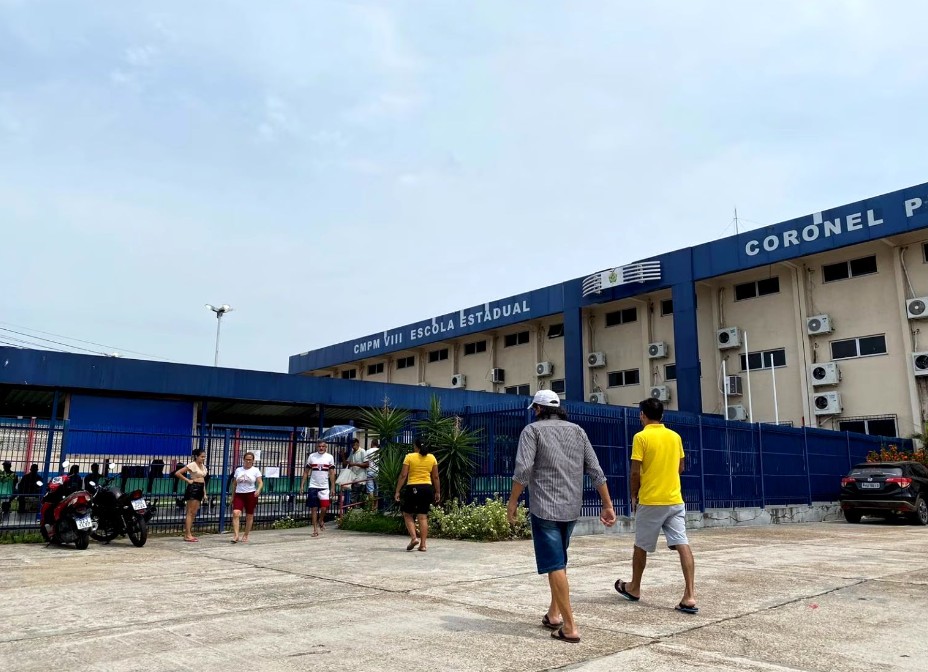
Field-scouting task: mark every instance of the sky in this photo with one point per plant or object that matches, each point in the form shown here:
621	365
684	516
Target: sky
333	169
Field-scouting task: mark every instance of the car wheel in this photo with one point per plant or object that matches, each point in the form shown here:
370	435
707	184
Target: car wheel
851	516
920	517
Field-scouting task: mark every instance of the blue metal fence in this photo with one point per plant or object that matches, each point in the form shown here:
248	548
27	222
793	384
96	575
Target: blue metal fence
728	464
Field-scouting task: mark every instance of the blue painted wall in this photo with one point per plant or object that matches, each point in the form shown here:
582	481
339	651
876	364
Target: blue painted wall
130	422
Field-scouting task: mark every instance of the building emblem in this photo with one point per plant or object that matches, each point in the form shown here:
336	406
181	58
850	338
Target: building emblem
643	271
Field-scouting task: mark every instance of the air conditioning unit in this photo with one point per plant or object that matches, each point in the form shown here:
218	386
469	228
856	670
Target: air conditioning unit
595	360
733	386
819	324
728	338
544	369
917	309
458	380
736	412
660	392
920	363
657	350
497	376
826	373
826	403
598	398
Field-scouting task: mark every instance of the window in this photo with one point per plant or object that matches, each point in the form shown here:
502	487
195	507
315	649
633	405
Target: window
865	346
670	371
406	362
558	387
556	330
624	378
438	355
374	369
475	347
518	389
877	425
623	316
518	338
749	290
849	269
667	307
350	374
765	359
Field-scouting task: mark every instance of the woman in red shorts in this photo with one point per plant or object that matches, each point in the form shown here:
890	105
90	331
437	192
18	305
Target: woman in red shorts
248	485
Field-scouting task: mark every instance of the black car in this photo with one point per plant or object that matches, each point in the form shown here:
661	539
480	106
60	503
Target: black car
886	489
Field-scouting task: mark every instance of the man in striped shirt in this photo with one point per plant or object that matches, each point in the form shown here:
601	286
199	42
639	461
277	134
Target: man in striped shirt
552	457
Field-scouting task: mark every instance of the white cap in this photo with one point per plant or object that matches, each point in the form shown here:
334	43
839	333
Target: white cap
546	398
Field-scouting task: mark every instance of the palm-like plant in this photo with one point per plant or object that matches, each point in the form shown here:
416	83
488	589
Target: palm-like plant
386	424
455	447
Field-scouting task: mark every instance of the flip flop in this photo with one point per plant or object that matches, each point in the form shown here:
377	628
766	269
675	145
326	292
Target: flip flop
551	625
234	541
315	534
685	609
191	541
620	587
564	638
412	544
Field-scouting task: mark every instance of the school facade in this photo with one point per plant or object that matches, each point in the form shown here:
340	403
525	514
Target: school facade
813	321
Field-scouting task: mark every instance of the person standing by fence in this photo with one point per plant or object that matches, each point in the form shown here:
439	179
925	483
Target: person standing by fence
194	474
248	486
552	457
320	471
657	499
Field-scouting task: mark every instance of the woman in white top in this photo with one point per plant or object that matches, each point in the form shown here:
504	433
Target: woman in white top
194	474
248	486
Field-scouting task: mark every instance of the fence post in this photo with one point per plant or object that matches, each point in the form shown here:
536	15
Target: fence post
808	465
847	438
628	462
64	439
224	491
760	457
49	444
702	469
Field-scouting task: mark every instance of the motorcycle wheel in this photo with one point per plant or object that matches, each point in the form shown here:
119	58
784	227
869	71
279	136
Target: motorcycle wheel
137	530
83	540
106	536
43	533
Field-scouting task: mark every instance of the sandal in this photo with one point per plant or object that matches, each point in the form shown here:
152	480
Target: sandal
191	539
551	625
621	587
412	544
564	638
315	534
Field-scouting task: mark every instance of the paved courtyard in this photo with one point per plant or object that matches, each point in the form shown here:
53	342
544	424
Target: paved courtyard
826	596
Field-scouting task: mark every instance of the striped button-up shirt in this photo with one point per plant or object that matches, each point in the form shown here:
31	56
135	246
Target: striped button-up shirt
553	455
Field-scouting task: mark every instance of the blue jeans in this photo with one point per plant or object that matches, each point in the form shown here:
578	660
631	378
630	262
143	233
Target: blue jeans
551	539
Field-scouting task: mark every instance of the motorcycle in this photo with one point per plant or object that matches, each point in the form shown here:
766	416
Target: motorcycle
118	514
65	513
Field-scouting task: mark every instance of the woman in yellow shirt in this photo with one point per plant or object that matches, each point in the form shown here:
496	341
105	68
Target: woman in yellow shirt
418	483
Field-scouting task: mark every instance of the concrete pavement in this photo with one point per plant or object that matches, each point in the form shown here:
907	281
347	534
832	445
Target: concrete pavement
824	596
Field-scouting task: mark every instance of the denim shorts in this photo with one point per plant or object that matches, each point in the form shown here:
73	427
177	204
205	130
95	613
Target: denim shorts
551	539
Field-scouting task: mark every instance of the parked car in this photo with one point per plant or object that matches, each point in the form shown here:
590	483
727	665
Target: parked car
886	489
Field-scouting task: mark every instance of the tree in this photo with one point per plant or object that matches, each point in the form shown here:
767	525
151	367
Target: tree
455	448
386	425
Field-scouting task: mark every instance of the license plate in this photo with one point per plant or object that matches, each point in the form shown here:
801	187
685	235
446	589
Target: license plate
870	486
139	504
84	523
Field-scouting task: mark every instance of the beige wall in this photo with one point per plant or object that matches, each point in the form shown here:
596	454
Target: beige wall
858	306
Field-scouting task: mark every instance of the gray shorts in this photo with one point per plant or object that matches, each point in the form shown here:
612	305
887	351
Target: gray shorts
651	520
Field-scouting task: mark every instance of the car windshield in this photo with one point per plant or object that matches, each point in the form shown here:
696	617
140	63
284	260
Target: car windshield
876	471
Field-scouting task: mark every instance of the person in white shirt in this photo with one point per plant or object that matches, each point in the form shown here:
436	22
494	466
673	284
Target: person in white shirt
320	471
248	486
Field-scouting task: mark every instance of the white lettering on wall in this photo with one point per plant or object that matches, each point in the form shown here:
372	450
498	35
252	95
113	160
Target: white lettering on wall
820	226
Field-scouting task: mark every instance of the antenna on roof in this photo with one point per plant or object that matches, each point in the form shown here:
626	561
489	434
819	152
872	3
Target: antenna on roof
736	221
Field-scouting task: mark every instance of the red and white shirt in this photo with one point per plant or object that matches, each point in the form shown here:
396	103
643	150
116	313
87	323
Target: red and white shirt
319	465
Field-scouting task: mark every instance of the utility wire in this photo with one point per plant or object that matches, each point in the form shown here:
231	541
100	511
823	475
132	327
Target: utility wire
22	342
69	338
48	340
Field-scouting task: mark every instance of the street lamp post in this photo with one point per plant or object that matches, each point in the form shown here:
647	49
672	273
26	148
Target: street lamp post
220	311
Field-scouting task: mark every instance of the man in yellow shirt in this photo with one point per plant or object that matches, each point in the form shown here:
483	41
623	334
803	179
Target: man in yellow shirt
657	500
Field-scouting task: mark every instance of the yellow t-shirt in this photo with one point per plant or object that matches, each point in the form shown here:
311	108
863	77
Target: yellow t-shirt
420	468
659	450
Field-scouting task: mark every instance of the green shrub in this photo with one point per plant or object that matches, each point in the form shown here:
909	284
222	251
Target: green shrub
288	522
362	520
21	538
483	522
